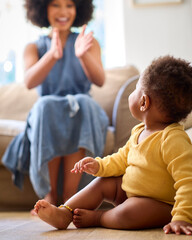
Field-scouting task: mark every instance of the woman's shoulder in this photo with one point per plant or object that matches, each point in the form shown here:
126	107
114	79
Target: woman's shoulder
43	44
74	34
42	39
72	37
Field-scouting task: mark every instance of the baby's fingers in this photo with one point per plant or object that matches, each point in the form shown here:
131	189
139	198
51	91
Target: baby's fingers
167	229
178	229
76	168
186	229
172	229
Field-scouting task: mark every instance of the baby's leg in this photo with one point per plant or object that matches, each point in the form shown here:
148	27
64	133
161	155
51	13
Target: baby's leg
112	192
137	213
96	192
133	213
88	198
57	217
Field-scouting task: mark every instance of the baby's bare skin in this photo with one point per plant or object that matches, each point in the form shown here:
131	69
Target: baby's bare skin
83	218
57	217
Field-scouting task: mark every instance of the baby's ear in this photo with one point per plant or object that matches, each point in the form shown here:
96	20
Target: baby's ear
144	103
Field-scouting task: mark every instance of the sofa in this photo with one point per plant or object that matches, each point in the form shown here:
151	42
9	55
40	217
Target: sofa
16	102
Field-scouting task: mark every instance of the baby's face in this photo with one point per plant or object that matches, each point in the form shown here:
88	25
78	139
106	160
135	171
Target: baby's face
135	99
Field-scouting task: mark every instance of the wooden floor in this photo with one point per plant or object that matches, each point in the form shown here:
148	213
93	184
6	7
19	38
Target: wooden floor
21	226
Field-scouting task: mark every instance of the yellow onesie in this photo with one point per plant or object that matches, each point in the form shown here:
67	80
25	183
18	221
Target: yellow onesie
160	167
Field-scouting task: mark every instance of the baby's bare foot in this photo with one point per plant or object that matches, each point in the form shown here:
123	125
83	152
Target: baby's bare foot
57	217
48	198
86	218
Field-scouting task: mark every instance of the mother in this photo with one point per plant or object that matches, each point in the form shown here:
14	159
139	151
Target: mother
65	123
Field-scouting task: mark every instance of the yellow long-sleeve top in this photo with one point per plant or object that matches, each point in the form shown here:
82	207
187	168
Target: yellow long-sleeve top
160	167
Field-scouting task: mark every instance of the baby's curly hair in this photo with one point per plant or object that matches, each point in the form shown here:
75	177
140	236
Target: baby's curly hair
168	81
37	12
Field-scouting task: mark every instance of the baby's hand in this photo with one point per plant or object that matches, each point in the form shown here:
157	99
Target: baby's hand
178	227
88	165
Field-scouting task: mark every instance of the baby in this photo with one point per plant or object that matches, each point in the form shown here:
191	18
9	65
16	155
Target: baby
149	180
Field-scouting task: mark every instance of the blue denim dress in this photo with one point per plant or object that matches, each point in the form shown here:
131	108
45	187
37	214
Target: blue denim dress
64	119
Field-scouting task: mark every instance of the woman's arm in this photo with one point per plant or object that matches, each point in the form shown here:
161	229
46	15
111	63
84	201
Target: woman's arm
87	49
37	69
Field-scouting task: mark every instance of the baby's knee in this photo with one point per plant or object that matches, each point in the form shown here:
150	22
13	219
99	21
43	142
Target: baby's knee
109	181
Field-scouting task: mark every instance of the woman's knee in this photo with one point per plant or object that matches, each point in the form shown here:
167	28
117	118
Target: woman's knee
44	103
82	98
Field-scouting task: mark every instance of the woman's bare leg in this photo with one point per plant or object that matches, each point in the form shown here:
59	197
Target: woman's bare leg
54	165
133	213
51	197
71	181
88	198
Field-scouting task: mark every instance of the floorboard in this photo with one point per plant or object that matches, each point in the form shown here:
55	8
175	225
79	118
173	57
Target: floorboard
22	226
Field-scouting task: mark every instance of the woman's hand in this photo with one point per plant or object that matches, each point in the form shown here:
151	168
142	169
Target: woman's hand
83	42
56	46
88	165
178	227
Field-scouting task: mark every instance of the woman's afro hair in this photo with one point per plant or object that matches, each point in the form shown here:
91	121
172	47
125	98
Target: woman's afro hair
36	12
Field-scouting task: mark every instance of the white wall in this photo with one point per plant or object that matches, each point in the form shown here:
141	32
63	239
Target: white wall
154	31
114	21
133	35
16	32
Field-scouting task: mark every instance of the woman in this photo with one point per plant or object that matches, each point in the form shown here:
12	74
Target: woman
65	123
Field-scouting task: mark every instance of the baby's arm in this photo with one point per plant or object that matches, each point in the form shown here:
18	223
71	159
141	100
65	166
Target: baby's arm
177	154
88	165
178	227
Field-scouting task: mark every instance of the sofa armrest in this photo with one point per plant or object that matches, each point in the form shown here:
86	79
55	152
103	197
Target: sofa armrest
115	78
122	120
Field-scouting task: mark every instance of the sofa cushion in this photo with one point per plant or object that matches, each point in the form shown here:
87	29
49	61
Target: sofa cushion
114	79
189	132
8	130
110	142
15	101
19	104
14	199
188	122
11	127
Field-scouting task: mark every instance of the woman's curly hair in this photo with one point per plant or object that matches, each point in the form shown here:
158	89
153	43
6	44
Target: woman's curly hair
168	81
37	12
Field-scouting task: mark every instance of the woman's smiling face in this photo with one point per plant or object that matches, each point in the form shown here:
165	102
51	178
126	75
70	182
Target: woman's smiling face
61	14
